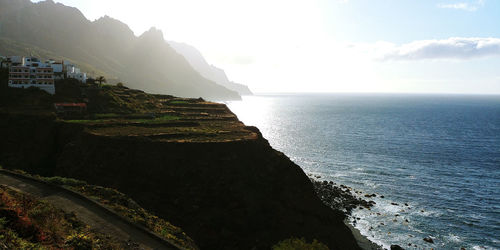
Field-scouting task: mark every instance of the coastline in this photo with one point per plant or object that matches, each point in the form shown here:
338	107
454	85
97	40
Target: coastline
342	146
363	242
182	188
340	198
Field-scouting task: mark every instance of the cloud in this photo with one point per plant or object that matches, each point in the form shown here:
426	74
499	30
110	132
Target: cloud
468	6
457	48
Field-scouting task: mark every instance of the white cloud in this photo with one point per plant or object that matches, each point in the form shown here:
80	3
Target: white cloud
468	6
457	48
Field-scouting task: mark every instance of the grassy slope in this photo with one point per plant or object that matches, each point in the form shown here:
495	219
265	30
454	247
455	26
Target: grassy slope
124	206
28	223
108	99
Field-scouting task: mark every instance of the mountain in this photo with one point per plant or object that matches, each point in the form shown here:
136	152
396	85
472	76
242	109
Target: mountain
105	46
196	59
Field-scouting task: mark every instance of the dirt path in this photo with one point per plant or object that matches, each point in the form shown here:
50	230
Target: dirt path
93	215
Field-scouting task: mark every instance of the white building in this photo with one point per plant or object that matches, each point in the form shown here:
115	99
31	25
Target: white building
31	73
57	67
73	72
15	60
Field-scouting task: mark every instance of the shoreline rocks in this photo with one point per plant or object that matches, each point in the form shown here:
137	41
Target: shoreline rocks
396	247
429	240
340	197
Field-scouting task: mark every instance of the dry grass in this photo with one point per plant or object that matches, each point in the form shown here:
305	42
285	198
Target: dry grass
126	207
28	223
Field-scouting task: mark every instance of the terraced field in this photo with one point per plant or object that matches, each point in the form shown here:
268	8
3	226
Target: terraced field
176	120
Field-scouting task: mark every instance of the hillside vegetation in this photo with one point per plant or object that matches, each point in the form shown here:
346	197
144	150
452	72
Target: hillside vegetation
29	223
113	200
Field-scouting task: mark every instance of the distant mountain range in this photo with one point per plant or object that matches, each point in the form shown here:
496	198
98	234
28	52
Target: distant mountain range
194	57
109	47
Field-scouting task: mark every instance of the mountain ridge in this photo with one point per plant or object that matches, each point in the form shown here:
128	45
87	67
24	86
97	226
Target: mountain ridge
108	45
209	71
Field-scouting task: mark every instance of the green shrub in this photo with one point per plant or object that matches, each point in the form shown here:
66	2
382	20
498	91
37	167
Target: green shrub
299	244
64	181
80	241
106	116
11	240
19	171
3	222
159	119
179	102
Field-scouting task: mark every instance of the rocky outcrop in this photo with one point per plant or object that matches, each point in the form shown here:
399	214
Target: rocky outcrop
429	240
340	197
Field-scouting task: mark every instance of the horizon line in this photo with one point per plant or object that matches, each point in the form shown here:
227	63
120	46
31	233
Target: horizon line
372	93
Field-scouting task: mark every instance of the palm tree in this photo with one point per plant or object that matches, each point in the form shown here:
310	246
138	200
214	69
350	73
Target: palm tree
100	80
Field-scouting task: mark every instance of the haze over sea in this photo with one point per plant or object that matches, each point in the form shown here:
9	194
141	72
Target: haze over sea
440	154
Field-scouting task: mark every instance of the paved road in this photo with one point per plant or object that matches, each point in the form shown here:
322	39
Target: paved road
93	215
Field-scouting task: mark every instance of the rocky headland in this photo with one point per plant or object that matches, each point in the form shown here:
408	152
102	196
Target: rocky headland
191	162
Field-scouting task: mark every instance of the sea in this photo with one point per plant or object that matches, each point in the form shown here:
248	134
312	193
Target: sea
435	159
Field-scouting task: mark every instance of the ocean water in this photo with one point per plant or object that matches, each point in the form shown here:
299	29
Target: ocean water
438	154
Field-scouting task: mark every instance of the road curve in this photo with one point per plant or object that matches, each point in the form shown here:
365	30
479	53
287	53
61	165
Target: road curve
90	213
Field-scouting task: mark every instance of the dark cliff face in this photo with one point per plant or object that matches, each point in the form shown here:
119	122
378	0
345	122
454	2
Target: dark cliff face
226	195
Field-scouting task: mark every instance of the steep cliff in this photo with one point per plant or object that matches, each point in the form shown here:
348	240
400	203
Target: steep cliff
196	165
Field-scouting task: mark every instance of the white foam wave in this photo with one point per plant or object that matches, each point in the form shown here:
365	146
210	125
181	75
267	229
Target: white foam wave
483	248
453	238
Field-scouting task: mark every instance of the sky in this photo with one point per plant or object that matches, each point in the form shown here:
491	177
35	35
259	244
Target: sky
388	46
